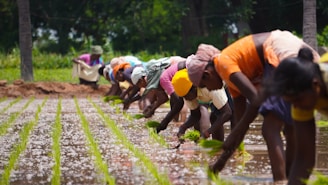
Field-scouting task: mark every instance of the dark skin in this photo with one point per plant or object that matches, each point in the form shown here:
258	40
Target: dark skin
130	95
272	125
305	131
217	122
115	89
155	98
276	146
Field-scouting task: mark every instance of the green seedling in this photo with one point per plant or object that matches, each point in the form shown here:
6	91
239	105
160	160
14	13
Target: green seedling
152	124
20	147
145	162
93	147
138	116
156	137
110	98
319	179
216	179
56	135
4	126
118	101
214	145
322	123
192	135
10	104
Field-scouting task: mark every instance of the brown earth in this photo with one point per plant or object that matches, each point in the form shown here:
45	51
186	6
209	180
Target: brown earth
20	88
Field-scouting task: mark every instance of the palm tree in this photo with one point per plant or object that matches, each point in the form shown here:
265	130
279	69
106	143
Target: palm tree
310	23
25	40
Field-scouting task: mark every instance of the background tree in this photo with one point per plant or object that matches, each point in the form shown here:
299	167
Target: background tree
8	25
25	40
310	23
151	25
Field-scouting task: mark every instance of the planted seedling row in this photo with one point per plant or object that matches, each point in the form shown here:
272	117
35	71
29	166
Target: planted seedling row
133	117
173	162
94	148
20	146
16	100
120	159
4	126
145	161
56	136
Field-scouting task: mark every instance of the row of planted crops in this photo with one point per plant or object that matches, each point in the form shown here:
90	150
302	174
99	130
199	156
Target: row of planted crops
89	141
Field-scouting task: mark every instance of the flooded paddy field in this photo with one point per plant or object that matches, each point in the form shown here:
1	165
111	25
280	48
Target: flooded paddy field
88	141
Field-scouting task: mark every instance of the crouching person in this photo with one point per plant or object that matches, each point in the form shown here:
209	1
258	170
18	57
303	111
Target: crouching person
217	100
87	65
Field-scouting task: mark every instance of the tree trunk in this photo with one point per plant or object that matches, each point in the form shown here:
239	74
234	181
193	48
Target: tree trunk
310	23
25	40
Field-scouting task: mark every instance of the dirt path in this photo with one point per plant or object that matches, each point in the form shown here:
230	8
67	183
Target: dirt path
49	89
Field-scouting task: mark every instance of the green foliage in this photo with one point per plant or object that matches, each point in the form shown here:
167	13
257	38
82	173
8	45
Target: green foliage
214	145
319	180
138	116
322	123
44	75
43	60
192	135
111	98
152	124
323	37
152	25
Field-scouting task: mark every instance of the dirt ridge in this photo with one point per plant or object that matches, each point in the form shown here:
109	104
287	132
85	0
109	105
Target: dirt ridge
23	89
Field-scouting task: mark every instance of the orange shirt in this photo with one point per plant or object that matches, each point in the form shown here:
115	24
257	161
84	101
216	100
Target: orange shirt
240	56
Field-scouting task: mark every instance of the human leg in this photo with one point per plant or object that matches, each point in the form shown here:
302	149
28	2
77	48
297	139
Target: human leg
271	129
276	114
289	132
304	160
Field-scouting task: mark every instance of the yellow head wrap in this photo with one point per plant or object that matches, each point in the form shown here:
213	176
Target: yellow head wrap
181	83
324	57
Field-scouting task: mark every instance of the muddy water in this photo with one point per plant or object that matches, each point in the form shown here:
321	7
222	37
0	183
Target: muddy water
185	165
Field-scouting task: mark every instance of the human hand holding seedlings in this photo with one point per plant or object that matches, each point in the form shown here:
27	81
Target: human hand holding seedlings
229	146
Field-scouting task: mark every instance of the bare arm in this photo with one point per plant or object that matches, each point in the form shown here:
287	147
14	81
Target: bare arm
176	106
191	121
224	117
237	134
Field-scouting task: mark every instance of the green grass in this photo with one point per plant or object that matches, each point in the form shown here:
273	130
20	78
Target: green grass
44	75
56	67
